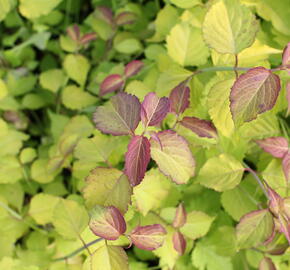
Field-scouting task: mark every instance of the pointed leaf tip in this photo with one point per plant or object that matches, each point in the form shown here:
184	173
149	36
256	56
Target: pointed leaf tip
179	98
125	17
253	93
286	57
286	166
179	242
111	84
154	109
133	68
107	222
137	159
148	237
276	146
266	264
180	216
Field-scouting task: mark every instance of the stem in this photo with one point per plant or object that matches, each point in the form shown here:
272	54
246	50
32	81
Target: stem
78	250
236	65
10	211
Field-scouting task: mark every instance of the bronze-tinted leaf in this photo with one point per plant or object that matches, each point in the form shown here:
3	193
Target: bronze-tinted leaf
179	98
276	146
111	84
180	216
133	68
179	242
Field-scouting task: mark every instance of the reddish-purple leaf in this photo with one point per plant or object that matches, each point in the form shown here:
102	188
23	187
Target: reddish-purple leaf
74	32
154	109
288	97
286	165
126	17
180	216
120	116
253	93
137	159
107	222
133	68
286	57
179	242
275	202
105	14
266	264
148	237
203	128
111	83
88	38
179	98
276	146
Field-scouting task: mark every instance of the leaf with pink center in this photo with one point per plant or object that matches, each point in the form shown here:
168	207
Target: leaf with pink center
154	109
286	57
276	146
137	159
111	84
107	222
88	38
148	237
275	202
104	13
253	93
74	32
179	242
286	166
173	156
203	128
133	68
179	98
180	216
125	17
120	116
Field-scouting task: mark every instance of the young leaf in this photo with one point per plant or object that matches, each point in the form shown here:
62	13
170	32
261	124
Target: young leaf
276	146
266	264
107	222
107	186
203	128
133	68
137	159
88	38
286	166
254	228
148	237
221	173
173	156
179	98
125	17
111	84
288	97
179	243
253	93
229	27
154	109
286	57
120	116
74	32
180	216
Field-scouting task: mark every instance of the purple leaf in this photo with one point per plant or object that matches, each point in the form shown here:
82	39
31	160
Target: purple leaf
148	237
286	57
203	128
74	32
180	216
105	14
179	242
111	83
154	109
133	68
276	201
276	146
286	166
266	264
120	116
253	93
107	222
88	38
179	98
137	159
125	17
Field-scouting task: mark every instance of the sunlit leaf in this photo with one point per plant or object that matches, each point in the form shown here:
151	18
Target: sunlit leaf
111	84
133	68
276	146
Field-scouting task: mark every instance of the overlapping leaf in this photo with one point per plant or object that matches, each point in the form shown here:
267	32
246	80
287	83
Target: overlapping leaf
179	242
111	84
133	68
276	146
179	98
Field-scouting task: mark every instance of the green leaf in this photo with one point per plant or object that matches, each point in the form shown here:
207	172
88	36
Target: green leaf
128	45
107	257
185	3
3	87
52	79
107	186
197	225
229	27
77	67
254	228
27	155
33	101
186	46
32	9
40	173
5	8
70	218
75	98
10	170
221	173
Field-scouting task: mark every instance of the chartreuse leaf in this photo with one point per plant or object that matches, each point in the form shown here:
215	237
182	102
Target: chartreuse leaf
107	257
77	67
40	171
152	191
42	206
3	87
52	79
107	186
69	218
185	45
120	116
229	27
5	7
32	9
10	170
185	3
173	156
221	173
254	228
197	224
27	155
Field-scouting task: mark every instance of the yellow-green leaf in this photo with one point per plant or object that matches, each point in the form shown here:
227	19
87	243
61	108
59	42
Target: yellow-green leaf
3	88
52	79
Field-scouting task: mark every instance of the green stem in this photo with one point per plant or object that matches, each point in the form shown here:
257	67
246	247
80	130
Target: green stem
86	246
10	211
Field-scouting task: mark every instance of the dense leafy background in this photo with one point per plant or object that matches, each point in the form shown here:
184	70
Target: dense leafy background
54	58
